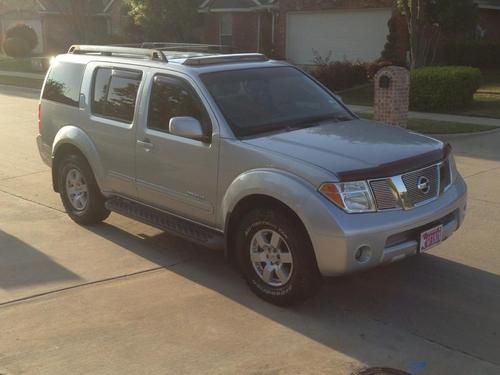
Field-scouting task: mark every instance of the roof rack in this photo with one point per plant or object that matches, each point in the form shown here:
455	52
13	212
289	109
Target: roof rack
152	54
189	47
226	59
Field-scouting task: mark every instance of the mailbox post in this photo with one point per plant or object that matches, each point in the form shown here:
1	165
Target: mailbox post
392	95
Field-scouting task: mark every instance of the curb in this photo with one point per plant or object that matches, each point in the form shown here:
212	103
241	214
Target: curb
14	87
460	135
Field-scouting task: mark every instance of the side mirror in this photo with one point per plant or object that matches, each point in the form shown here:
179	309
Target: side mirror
187	127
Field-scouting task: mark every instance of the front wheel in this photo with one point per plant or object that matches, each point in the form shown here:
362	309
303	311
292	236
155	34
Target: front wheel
79	192
276	257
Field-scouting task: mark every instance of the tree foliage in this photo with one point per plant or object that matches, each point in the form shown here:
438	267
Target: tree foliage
429	20
25	32
164	20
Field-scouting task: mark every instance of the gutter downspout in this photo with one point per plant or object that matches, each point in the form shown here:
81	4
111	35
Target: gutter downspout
258	32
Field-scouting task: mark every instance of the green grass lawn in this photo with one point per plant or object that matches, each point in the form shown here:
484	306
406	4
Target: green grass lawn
486	101
439	127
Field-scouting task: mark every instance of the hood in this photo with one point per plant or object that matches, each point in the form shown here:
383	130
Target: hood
356	150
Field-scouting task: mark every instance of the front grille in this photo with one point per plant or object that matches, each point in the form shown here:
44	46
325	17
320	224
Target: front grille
418	195
384	195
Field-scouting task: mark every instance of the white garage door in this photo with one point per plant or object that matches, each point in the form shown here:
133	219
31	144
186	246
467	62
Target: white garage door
348	34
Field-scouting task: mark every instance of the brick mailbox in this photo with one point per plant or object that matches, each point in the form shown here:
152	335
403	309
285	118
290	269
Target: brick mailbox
392	95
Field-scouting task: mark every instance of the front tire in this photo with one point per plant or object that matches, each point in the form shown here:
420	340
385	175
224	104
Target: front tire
79	192
276	257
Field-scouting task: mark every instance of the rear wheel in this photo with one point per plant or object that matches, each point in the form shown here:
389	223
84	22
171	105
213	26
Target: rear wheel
276	257
79	192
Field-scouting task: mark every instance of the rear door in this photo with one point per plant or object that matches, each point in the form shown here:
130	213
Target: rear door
113	96
176	173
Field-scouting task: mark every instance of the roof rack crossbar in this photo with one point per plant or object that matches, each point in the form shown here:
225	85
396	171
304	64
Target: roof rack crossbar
226	59
152	54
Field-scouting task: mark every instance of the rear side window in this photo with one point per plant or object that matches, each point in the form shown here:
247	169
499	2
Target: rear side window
115	93
63	83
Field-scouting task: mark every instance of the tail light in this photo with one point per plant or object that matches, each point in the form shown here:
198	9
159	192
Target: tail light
39	118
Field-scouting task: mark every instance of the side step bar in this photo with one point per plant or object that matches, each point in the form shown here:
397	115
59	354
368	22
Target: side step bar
170	223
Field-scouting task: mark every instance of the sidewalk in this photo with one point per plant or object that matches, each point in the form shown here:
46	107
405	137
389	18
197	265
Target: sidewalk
436	116
9	73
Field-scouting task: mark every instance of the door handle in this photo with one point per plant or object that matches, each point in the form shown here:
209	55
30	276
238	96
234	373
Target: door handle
146	143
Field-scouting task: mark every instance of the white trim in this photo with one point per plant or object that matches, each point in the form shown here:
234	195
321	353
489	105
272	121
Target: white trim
108	6
41	5
236	10
490	7
204	4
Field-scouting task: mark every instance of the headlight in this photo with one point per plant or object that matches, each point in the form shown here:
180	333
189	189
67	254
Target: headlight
352	197
453	169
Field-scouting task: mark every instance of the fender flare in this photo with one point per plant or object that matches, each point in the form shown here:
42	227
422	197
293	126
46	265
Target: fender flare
76	137
285	187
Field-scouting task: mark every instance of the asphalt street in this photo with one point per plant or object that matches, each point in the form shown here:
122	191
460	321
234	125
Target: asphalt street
124	298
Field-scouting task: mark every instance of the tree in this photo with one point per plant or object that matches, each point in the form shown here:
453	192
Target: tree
429	20
20	41
164	20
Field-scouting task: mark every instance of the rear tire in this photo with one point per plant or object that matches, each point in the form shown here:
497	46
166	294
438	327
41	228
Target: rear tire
276	257
79	191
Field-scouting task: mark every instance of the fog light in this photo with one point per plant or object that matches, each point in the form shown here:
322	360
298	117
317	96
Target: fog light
363	254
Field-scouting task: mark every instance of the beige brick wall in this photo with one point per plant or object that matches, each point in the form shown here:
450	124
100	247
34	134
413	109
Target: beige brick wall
392	103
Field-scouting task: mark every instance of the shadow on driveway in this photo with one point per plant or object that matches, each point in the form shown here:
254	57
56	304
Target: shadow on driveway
442	301
22	265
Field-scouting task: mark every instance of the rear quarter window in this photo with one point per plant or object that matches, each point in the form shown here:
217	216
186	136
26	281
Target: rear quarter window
63	83
115	93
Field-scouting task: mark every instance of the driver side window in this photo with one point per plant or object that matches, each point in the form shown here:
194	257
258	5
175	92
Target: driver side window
173	97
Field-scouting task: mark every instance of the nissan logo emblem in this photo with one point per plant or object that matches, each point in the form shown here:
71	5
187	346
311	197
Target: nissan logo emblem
423	184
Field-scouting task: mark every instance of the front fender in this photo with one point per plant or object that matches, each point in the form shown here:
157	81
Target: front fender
78	138
291	190
315	212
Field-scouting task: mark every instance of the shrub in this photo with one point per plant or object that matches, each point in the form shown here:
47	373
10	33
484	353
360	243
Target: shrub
477	53
443	87
16	47
25	32
340	75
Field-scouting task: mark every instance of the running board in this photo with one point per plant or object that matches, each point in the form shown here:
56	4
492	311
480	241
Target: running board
170	223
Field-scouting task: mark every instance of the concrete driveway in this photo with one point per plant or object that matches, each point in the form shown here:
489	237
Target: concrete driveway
123	298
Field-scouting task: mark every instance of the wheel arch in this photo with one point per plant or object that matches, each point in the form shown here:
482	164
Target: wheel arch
263	188
73	140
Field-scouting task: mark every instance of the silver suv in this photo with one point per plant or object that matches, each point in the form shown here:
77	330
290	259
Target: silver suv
247	154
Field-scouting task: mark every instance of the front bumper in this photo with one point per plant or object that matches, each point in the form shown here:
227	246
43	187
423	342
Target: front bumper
390	235
45	151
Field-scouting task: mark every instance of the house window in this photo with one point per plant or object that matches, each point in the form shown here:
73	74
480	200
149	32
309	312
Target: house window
226	29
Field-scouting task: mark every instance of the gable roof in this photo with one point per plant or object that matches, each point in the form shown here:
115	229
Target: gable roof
488	4
58	6
236	5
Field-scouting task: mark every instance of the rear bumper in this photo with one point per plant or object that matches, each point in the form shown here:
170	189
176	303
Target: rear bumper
390	236
45	151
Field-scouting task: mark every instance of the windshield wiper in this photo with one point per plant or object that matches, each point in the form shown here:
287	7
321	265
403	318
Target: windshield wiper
315	121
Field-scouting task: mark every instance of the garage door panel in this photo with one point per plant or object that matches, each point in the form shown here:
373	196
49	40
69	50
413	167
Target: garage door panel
347	34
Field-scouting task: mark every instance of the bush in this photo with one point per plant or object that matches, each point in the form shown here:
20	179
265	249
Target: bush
25	32
477	53
16	47
340	75
443	88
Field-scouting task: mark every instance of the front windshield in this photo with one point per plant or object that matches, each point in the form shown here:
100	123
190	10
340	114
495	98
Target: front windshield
260	100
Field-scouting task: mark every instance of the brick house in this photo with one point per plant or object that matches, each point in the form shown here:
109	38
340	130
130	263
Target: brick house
248	25
53	21
489	18
298	29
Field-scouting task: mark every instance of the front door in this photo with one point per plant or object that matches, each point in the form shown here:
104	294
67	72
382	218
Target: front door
172	172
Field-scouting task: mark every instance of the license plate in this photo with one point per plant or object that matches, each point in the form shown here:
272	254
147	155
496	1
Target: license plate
431	238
